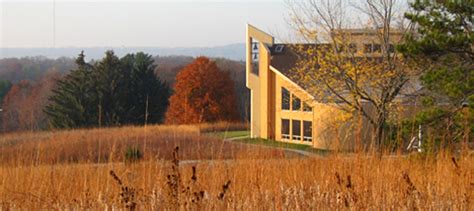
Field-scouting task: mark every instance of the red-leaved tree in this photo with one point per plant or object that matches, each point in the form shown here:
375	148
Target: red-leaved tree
202	93
24	103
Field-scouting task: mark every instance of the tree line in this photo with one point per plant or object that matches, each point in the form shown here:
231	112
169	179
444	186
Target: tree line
113	91
109	92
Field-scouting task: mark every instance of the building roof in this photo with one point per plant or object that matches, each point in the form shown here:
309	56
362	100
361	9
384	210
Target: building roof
285	57
367	31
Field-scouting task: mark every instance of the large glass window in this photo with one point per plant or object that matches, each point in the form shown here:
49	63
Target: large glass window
296	125
307	108
285	129
307	131
285	99
296	103
376	48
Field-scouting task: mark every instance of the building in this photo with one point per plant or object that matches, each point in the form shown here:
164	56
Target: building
280	108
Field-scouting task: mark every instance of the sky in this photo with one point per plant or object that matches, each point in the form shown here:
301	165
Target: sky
159	23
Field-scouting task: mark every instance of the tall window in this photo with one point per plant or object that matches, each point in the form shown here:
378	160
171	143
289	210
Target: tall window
285	129
296	103
307	131
255	56
296	135
285	99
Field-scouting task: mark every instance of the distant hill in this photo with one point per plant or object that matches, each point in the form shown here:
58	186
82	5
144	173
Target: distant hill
233	51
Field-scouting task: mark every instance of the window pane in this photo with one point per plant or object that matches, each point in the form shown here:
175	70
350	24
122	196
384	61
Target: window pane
368	48
376	48
307	131
353	48
285	99
255	56
285	129
391	48
296	124
255	68
306	107
296	104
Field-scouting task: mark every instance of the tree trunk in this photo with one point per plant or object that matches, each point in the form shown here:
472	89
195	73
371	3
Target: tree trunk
378	132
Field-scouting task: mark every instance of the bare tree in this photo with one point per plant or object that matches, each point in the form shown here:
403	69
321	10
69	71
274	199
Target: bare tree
365	82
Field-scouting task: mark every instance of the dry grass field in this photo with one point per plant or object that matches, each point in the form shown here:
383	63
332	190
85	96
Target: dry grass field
84	169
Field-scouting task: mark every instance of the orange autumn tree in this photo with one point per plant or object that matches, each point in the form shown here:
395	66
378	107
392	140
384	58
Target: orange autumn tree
202	93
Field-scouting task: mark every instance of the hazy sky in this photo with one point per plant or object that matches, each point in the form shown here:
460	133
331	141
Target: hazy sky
160	23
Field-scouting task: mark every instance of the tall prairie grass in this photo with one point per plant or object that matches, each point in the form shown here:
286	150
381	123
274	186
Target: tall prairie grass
110	144
222	126
196	176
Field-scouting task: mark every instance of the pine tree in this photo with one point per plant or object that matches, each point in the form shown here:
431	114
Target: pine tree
109	81
146	95
74	102
443	47
111	92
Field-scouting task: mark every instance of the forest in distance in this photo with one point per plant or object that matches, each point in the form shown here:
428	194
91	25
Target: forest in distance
30	81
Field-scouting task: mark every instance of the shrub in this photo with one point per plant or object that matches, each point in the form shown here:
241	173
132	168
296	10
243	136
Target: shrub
133	154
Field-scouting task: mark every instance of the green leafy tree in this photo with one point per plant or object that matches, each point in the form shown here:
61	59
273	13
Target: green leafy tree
443	46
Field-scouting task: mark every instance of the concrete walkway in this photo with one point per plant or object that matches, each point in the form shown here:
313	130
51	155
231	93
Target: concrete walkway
297	151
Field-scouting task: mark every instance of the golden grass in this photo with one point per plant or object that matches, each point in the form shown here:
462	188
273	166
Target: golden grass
109	145
251	182
223	126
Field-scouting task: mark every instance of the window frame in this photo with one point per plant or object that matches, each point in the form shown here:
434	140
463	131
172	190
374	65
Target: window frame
285	136
294	99
295	137
305	106
305	137
376	48
283	91
352	47
368	48
255	67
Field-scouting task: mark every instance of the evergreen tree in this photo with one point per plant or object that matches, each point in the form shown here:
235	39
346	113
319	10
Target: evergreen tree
146	95
111	92
73	100
109	81
443	46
